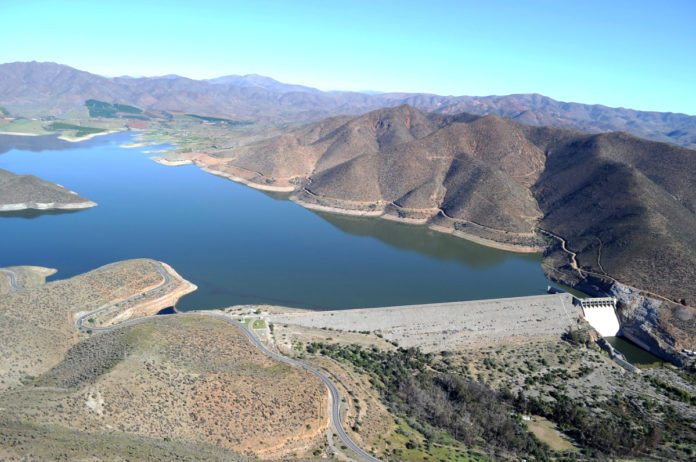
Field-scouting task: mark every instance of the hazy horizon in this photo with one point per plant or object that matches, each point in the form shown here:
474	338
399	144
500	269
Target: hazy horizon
623	54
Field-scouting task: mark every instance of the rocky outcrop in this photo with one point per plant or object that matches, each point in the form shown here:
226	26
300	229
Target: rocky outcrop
645	320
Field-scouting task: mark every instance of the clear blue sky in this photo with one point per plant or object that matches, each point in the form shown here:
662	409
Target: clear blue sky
638	54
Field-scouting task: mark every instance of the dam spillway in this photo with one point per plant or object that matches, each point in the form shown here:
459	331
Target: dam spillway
600	313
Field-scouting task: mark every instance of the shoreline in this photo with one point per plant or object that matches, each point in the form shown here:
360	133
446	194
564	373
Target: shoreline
420	222
88	137
486	242
22	134
139	144
337	210
373	214
170	163
46	206
63	137
241	180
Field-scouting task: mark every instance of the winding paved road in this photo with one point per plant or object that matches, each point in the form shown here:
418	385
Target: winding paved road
13	278
80	321
335	397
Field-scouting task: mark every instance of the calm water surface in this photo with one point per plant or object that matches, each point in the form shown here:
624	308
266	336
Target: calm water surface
239	245
635	354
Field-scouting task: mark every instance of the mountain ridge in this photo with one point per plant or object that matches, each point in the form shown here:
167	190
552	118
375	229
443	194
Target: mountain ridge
31	88
625	207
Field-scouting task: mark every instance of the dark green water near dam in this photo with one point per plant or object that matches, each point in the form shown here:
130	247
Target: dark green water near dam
635	354
237	244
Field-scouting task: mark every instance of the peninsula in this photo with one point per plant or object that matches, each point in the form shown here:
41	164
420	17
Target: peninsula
22	192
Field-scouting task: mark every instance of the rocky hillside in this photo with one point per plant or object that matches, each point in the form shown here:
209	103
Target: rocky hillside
20	192
612	207
41	89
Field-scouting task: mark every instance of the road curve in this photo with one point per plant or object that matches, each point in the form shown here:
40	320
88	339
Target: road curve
79	322
335	397
13	278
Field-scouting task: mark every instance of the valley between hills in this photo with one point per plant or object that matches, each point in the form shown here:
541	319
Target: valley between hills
606	194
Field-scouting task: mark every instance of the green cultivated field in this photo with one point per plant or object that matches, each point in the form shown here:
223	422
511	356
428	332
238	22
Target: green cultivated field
98	108
78	129
34	127
218	120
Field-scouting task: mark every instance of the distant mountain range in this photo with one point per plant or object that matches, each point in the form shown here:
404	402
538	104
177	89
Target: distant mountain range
31	88
255	80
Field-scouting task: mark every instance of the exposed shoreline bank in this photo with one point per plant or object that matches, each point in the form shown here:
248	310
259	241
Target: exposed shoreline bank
21	134
243	181
46	206
88	137
419	222
63	137
170	163
379	213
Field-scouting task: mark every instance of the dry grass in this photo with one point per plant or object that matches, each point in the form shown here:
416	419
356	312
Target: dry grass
188	379
547	432
36	326
172	384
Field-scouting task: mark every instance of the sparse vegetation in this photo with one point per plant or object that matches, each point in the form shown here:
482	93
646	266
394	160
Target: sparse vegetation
493	388
221	120
578	336
436	400
173	379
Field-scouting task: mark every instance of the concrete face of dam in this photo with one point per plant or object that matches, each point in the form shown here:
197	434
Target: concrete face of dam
452	325
600	313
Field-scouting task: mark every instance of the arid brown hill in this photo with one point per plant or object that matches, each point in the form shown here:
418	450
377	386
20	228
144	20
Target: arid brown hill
185	387
20	192
41	89
624	205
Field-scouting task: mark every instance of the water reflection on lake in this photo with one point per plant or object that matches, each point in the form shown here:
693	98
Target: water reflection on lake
239	245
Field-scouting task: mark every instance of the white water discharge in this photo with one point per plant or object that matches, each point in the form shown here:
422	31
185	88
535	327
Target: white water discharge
601	314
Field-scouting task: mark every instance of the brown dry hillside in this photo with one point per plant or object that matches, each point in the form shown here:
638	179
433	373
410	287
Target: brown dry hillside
625	205
185	387
36	324
628	207
187	379
27	191
466	173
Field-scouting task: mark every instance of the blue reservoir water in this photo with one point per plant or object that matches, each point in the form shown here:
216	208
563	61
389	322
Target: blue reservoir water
239	245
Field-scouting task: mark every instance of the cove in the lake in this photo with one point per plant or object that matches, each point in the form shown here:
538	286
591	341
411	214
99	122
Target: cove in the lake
239	245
